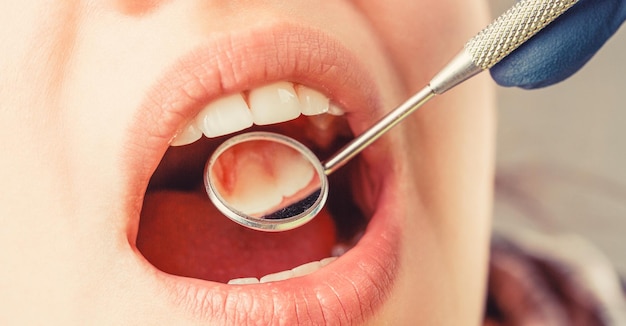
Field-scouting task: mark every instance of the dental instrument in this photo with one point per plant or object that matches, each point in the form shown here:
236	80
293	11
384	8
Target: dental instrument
291	207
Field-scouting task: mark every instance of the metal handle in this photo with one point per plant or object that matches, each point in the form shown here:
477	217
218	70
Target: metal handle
499	39
484	50
512	29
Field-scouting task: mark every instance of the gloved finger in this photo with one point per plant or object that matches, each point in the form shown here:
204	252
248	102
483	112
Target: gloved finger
563	47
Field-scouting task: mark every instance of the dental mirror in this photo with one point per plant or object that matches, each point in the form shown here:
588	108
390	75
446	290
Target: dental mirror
266	181
270	182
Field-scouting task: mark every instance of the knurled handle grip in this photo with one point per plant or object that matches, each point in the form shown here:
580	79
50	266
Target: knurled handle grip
512	28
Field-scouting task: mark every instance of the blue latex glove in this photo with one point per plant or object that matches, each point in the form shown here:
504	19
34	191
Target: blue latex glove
563	47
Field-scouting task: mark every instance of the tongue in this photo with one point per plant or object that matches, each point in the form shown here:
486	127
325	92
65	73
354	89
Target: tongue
183	234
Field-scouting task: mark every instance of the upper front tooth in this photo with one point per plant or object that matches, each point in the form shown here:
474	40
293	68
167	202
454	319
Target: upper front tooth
274	103
224	116
312	102
187	135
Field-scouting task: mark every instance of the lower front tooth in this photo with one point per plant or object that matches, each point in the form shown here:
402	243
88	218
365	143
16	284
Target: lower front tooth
306	268
224	116
301	270
277	276
244	280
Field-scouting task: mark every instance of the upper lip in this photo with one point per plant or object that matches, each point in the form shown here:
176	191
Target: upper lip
344	291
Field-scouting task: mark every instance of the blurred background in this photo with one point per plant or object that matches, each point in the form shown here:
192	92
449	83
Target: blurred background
562	153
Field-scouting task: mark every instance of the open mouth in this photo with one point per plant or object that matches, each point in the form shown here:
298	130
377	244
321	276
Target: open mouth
346	258
182	234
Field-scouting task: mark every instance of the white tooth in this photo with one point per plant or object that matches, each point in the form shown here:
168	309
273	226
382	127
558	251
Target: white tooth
274	103
255	188
334	109
301	270
187	135
312	102
280	276
296	177
257	185
340	249
244	280
224	116
307	268
326	261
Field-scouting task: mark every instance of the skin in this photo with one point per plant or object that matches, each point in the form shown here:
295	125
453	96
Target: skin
72	77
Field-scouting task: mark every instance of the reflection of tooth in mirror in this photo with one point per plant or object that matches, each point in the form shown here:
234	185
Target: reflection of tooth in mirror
266	181
259	178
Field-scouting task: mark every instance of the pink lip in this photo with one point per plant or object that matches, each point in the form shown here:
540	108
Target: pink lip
349	289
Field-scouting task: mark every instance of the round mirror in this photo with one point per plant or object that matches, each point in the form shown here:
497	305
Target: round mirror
266	181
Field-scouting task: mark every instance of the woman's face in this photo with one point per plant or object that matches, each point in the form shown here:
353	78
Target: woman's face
102	220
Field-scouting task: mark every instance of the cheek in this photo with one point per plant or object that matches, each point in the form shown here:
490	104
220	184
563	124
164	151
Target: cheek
421	36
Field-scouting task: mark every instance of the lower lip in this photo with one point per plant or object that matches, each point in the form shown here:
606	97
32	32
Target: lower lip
347	291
